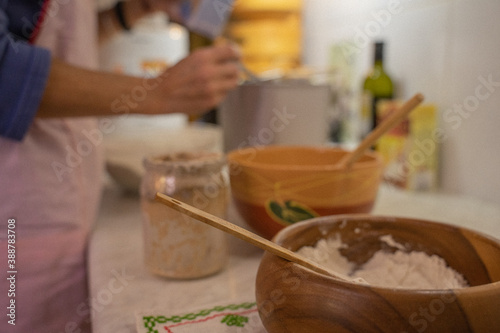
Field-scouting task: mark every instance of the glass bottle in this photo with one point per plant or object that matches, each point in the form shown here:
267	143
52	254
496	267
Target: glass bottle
175	245
376	86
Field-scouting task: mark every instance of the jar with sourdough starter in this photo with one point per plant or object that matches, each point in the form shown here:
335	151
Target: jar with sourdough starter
175	245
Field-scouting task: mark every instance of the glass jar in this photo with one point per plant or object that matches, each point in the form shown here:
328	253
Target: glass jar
175	245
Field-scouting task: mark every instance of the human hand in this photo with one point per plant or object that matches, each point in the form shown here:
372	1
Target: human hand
197	83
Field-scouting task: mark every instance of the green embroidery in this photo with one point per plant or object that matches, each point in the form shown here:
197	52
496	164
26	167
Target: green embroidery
150	322
235	320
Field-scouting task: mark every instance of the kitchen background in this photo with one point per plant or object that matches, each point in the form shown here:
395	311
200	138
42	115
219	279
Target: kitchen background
442	48
446	49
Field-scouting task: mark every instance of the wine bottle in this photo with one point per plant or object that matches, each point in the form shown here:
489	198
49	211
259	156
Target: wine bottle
377	85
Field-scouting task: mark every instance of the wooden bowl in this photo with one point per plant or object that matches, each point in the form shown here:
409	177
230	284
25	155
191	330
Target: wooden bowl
275	186
291	298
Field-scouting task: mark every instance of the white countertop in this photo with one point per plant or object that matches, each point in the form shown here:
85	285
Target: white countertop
120	285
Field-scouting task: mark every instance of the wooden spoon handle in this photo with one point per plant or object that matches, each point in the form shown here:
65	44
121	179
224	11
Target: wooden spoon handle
390	122
243	234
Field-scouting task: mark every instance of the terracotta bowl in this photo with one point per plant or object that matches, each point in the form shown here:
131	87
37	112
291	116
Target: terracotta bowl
275	186
291	298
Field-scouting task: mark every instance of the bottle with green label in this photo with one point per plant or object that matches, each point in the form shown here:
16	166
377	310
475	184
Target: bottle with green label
377	85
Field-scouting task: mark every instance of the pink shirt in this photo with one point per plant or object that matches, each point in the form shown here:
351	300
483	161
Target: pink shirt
50	184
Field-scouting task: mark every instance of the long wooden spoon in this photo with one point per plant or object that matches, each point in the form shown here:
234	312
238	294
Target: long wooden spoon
246	235
389	123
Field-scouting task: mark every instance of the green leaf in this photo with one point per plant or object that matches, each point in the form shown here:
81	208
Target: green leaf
289	213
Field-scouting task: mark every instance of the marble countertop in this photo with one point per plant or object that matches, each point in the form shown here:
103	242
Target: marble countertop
120	285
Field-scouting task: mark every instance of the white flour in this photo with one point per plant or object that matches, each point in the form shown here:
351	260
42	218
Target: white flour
413	270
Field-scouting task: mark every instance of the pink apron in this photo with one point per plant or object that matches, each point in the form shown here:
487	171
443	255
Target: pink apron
50	185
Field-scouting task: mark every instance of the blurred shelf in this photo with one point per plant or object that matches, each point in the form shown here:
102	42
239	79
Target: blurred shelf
252	7
268	32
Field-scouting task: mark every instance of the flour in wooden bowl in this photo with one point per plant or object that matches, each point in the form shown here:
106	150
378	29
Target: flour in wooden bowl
399	269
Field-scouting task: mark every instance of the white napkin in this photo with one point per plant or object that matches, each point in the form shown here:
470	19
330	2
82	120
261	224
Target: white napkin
241	317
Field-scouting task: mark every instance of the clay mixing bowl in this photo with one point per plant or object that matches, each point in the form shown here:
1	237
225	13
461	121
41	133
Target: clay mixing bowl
276	186
291	298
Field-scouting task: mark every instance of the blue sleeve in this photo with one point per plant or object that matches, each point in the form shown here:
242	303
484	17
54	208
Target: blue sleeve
24	70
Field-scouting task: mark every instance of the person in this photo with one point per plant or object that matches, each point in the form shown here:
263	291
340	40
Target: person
52	99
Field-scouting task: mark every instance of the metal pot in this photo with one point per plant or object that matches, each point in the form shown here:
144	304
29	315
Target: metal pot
278	112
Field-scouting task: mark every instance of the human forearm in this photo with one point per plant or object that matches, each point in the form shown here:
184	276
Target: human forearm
194	85
74	92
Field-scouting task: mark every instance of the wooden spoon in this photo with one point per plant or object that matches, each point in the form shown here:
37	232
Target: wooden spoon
246	235
389	123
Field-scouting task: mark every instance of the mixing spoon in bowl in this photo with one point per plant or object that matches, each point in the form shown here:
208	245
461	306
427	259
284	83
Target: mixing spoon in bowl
247	236
389	123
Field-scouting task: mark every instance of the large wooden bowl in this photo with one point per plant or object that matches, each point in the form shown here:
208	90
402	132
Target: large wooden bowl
275	186
291	298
